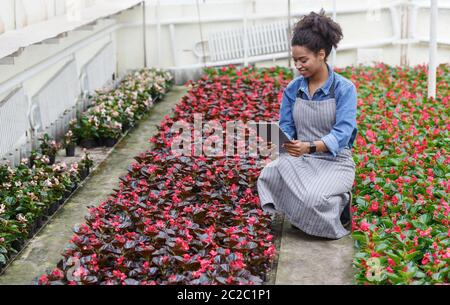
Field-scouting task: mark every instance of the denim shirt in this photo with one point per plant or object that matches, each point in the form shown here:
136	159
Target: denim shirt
344	131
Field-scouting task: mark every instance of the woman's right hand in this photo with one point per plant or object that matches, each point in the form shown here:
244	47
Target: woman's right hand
271	147
296	148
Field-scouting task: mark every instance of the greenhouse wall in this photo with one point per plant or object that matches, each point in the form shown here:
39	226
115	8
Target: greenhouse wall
172	37
375	39
395	32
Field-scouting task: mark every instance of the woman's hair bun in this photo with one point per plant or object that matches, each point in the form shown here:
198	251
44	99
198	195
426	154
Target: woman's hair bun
317	31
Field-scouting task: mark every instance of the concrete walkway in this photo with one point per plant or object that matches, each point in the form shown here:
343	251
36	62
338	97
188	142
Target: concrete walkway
44	250
307	260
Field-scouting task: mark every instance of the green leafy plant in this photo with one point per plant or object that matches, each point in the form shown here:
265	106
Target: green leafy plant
69	139
85	129
86	162
49	146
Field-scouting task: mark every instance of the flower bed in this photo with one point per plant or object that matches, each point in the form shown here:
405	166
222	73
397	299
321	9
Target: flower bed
196	220
184	220
401	220
115	111
27	197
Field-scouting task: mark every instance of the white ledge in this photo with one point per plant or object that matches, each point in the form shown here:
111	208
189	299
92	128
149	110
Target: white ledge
49	31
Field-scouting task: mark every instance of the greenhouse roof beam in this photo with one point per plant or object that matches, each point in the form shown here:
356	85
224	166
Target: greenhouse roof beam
9	60
88	27
13	41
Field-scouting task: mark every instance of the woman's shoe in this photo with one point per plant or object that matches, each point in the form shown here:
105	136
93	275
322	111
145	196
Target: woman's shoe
346	216
294	227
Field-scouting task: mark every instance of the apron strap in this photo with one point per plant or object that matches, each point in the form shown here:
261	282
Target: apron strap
332	95
332	87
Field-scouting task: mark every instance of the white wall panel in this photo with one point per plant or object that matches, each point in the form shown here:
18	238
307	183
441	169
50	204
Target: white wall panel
13	120
35	10
99	70
7	14
57	96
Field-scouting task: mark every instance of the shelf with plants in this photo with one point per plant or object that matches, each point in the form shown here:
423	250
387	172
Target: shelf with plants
30	195
115	111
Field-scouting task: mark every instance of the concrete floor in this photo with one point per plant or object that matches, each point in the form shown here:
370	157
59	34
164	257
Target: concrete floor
308	260
300	259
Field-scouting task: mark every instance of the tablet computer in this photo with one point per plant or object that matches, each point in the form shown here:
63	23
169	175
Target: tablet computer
272	132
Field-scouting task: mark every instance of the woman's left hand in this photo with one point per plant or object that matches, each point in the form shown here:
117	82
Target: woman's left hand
296	148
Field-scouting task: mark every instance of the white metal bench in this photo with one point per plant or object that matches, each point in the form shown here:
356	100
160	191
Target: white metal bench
263	40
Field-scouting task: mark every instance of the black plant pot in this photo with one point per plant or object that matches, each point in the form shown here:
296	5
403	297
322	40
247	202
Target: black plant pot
70	151
41	221
33	229
50	210
47	212
74	186
67	193
125	126
100	141
17	244
110	142
52	159
88	143
54	207
84	173
61	202
31	162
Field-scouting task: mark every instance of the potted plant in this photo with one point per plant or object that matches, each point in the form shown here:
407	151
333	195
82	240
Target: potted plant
85	132
67	181
64	181
32	158
74	174
85	165
53	208
111	132
49	147
70	143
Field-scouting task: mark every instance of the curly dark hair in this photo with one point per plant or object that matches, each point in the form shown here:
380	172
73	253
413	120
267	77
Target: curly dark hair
316	32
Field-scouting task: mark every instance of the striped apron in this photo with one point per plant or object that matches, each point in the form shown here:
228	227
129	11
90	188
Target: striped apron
313	189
